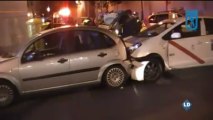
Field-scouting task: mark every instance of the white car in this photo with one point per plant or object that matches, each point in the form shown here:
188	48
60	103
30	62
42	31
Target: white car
157	17
63	57
169	45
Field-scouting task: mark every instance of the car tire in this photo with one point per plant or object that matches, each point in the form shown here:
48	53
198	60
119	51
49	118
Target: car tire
115	76
7	94
153	71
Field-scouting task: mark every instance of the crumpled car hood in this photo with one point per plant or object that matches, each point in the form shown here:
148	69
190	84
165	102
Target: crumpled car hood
129	41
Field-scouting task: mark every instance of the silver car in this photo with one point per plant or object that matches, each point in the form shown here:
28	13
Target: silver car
62	57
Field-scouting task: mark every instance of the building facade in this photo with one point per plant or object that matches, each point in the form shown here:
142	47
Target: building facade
145	8
13	17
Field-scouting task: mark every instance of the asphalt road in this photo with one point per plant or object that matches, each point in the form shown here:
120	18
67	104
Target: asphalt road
136	101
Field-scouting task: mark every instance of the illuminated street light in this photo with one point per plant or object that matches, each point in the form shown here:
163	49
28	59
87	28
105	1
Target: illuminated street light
48	9
43	20
29	14
78	2
64	12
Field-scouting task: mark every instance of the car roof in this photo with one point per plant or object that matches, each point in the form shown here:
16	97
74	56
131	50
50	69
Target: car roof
181	19
69	27
206	17
82	27
163	13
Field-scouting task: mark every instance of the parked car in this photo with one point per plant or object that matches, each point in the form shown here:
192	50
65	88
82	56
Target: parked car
62	57
169	45
159	16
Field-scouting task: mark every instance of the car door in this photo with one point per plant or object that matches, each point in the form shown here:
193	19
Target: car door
44	63
208	40
188	50
94	49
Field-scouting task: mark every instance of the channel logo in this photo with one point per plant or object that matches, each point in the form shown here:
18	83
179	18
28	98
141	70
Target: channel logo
187	105
191	20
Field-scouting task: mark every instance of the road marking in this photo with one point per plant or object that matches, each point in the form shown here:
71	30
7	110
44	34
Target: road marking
199	60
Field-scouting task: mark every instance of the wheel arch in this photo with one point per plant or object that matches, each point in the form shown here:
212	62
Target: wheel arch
113	63
3	80
12	81
153	56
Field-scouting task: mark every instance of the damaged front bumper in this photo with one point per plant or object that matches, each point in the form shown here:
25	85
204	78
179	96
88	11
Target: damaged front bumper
137	71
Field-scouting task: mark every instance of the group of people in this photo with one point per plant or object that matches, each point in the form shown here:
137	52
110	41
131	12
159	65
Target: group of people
126	21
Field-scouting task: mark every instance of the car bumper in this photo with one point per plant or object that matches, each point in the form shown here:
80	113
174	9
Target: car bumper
137	72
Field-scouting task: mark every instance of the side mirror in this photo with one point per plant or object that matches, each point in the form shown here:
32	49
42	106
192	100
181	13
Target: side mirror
175	35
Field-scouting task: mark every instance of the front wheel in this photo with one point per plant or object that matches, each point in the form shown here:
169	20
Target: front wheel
115	76
153	71
7	94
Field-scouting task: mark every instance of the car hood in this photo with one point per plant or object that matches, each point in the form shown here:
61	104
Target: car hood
7	64
2	60
129	41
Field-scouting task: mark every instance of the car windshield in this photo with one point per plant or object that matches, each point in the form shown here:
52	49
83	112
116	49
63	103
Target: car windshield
155	30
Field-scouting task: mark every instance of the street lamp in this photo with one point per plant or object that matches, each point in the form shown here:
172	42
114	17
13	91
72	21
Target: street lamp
78	2
29	14
48	9
142	10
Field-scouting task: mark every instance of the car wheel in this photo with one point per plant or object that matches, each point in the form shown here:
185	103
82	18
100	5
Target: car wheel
115	76
7	94
153	71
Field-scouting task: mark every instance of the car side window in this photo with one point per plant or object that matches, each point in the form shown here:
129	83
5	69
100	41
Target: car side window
209	26
152	19
183	32
101	40
47	46
92	40
70	43
162	17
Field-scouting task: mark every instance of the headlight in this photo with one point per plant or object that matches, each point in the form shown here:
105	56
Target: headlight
134	47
